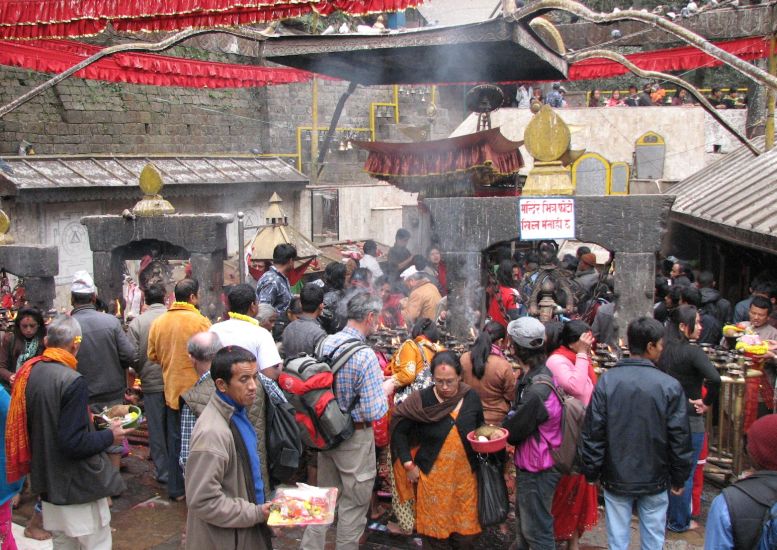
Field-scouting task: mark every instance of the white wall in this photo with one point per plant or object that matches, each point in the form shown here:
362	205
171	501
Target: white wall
612	132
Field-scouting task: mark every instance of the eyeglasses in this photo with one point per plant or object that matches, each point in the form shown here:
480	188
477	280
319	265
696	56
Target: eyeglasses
77	340
445	383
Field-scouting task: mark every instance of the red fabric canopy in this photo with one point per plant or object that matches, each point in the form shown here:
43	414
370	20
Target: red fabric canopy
55	56
484	158
668	60
28	19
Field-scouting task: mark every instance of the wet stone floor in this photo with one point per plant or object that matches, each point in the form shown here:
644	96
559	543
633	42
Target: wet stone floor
144	518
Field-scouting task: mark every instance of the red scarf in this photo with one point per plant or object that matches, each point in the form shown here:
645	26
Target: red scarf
571	356
17	438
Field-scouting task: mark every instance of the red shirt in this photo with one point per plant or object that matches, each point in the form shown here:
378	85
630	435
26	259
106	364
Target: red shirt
510	300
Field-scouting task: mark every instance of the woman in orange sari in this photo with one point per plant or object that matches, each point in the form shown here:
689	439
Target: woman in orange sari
439	418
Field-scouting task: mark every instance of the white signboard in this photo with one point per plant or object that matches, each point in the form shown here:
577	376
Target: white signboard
546	218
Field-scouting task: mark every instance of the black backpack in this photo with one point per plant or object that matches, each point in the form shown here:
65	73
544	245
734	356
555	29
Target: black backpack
284	442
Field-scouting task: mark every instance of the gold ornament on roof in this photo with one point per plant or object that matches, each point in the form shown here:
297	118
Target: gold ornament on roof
548	138
5	226
152	203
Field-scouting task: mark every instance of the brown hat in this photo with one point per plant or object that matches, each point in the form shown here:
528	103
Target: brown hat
589	258
762	442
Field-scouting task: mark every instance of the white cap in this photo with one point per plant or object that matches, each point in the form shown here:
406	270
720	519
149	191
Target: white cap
83	283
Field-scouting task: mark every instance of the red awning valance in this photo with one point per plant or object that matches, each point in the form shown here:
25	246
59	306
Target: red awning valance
669	60
55	56
29	19
482	158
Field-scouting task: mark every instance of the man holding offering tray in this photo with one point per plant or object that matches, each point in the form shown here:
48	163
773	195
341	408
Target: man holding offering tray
224	485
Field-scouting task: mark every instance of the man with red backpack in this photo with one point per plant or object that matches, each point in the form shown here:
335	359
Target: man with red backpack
535	429
350	466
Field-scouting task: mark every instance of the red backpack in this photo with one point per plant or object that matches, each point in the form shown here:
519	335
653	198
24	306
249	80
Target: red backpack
307	382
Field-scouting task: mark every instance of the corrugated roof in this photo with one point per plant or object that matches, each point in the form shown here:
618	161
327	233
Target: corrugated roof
446	13
40	173
733	198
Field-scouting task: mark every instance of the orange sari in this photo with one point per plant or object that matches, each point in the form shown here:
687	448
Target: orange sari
447	498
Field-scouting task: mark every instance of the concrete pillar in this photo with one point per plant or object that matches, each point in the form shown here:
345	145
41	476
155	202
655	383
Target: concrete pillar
635	275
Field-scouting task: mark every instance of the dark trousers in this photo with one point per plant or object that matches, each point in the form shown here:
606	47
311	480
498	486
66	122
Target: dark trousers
460	542
175	487
533	500
156	414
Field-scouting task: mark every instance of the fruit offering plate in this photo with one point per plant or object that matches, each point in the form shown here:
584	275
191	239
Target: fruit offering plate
303	505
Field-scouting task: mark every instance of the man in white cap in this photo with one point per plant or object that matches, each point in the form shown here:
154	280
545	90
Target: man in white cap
535	428
105	350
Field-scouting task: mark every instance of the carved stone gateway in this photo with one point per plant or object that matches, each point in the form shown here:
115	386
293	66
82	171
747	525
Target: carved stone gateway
629	226
200	238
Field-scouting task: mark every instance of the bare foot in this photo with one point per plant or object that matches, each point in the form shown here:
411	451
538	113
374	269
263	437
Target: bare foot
17	498
694	525
35	530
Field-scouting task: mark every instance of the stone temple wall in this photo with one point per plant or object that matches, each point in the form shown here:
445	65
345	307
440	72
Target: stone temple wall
86	117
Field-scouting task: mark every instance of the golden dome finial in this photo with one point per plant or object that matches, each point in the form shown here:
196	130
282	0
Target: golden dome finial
152	203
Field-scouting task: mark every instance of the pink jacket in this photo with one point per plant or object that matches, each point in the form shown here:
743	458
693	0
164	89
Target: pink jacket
572	377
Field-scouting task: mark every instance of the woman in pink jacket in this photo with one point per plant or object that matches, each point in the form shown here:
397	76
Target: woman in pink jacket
575	501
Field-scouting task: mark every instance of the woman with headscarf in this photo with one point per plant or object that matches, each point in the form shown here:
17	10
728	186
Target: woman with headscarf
693	369
439	418
575	503
24	342
485	369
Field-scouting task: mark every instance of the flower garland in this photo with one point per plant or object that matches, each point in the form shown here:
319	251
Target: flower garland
185	305
241	317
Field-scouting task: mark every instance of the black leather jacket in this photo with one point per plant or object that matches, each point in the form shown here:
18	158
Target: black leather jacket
636	436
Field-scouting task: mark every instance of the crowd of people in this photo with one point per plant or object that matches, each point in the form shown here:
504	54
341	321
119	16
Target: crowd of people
213	393
652	94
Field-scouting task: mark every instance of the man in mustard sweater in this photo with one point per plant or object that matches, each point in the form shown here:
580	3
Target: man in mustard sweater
167	341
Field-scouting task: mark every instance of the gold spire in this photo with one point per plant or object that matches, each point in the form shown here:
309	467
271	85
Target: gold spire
152	203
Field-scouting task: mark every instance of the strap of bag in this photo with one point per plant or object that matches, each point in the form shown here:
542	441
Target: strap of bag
541	379
341	360
423	355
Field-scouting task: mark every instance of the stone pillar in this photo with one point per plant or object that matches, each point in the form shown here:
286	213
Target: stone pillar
107	275
37	265
635	275
466	308
40	291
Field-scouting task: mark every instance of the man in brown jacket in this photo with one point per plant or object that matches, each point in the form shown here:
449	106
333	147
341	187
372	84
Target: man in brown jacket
224	485
423	299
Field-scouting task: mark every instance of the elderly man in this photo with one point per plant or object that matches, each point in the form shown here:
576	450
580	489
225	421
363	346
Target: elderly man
224	485
351	466
167	345
423	299
49	422
202	348
151	377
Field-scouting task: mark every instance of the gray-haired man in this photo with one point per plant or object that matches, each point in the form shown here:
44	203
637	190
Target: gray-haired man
351	466
202	347
68	466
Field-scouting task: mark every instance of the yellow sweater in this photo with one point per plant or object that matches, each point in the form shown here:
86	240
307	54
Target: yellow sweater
167	343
